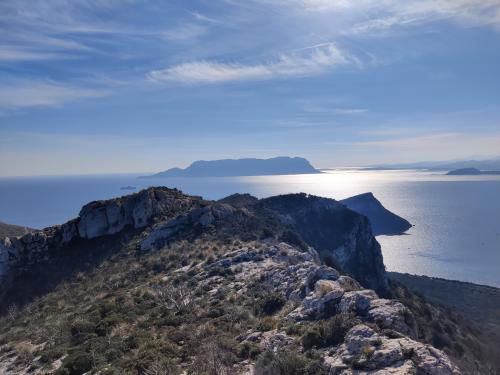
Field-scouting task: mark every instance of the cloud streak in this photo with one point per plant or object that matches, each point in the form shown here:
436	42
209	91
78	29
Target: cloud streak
18	94
438	145
369	16
313	61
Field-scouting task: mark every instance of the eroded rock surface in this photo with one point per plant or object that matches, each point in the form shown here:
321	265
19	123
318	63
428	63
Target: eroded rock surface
383	341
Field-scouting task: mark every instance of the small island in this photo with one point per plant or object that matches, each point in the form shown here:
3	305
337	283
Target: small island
128	187
471	172
282	165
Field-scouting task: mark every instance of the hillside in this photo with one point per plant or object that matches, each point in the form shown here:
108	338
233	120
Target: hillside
241	167
159	282
480	303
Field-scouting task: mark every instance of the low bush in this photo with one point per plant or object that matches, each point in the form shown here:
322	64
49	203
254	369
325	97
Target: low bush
76	363
287	362
270	303
328	332
267	323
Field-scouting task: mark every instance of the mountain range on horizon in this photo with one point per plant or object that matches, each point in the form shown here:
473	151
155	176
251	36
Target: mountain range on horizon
490	164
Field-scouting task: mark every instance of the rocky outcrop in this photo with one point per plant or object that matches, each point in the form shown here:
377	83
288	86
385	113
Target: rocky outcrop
216	216
137	210
372	353
383	340
96	219
341	236
383	221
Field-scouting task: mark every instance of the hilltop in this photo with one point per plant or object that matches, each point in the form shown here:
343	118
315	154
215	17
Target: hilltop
282	165
159	282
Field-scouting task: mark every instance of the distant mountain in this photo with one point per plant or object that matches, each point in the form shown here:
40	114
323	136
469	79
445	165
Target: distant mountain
241	167
383	221
9	230
485	165
471	172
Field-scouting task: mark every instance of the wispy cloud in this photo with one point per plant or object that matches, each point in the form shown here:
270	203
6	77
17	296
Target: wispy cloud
18	94
438	144
369	16
19	54
311	61
334	110
185	32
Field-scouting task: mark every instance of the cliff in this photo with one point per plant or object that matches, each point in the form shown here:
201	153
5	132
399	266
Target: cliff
188	285
241	167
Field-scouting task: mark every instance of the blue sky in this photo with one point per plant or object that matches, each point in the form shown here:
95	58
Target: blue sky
95	86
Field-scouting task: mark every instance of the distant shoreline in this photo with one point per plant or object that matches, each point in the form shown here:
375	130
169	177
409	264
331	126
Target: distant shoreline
478	302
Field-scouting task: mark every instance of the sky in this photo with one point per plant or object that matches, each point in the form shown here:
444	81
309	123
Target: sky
100	86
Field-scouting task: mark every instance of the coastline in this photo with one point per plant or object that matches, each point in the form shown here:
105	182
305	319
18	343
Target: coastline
479	303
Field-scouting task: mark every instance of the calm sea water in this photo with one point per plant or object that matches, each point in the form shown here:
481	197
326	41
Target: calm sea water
457	219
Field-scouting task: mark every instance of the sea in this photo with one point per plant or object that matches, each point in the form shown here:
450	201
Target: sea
456	219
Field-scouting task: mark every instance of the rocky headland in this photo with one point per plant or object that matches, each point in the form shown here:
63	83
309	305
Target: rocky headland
383	221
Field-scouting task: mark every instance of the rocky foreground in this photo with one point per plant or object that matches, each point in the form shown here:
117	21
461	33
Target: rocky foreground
167	283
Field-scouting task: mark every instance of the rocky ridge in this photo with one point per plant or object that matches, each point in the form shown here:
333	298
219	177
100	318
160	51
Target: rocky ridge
95	219
284	244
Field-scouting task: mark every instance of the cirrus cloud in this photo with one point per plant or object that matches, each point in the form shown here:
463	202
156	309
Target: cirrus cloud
24	93
306	62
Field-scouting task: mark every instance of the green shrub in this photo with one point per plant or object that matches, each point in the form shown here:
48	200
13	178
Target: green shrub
267	323
312	338
50	355
270	303
76	363
328	332
248	350
293	239
440	341
281	363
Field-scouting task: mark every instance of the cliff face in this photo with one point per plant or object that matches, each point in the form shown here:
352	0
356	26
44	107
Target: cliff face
342	237
212	287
